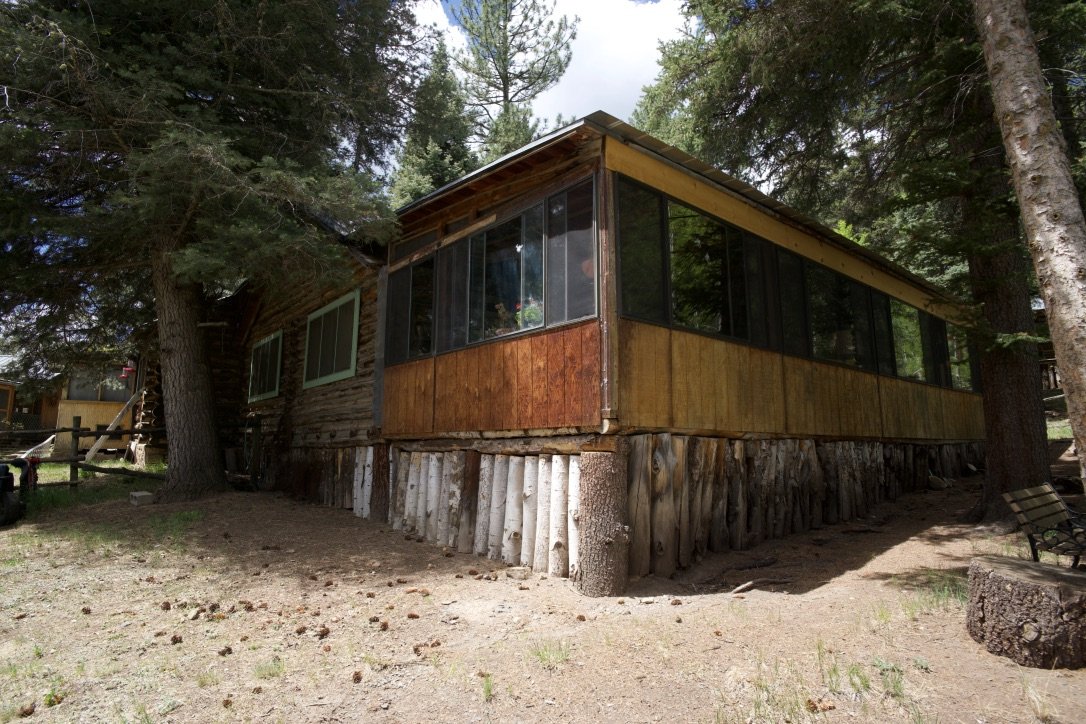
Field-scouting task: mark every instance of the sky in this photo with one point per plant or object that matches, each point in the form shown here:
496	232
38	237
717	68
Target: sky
614	54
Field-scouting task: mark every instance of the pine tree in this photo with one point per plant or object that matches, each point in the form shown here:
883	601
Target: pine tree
437	149
849	112
1045	188
164	148
516	50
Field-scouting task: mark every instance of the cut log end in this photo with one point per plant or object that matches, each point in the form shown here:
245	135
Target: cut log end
1032	613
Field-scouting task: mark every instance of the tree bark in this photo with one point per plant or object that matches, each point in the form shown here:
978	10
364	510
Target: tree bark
194	468
1047	197
603	555
1033	614
1017	448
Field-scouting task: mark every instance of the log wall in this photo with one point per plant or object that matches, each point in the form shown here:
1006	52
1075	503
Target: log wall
303	428
546	380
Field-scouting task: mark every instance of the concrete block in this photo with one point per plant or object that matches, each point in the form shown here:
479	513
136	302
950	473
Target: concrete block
141	497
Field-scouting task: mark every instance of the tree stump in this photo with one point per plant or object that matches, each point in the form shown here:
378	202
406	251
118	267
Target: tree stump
1032	613
604	545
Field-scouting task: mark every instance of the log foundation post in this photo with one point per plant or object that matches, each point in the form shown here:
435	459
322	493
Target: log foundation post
603	550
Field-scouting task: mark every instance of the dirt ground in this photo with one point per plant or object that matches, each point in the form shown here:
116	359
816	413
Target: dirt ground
252	607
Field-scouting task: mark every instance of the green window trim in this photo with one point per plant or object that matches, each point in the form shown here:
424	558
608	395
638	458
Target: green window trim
273	343
330	319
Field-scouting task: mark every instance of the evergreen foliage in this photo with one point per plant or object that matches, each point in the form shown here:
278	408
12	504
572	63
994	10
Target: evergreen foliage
204	141
516	50
437	149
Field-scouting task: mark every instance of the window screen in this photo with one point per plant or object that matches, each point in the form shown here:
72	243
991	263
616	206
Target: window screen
264	366
331	342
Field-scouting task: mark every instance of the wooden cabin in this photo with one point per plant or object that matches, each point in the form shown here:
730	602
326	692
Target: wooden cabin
602	358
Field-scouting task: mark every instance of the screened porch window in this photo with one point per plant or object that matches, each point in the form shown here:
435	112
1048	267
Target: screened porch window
264	366
961	362
530	271
331	342
908	342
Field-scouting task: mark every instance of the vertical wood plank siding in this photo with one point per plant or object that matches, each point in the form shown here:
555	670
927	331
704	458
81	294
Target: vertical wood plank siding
546	380
688	382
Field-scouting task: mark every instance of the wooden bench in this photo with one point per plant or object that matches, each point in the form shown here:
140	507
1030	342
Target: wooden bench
1048	523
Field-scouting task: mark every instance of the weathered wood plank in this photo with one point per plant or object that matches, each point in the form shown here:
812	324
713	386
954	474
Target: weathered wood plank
665	543
639	504
482	507
558	555
528	510
497	506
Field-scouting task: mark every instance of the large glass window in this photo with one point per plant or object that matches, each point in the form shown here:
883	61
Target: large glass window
961	363
452	290
264	366
509	289
421	317
908	341
839	312
790	279
571	255
331	341
640	252
713	272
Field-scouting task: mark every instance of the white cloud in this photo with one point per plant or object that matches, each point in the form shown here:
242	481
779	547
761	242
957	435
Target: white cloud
614	54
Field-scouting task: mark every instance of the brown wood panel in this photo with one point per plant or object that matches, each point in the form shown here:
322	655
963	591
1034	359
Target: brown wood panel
589	377
914	410
409	397
831	400
645	377
524	402
540	381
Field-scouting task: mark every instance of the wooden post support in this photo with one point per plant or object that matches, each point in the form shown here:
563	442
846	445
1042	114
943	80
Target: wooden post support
558	558
528	510
256	455
603	549
541	556
73	469
573	512
482	506
497	507
514	511
639	504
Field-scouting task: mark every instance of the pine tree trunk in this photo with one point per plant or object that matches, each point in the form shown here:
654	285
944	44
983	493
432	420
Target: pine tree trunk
194	468
1017	448
604	547
1047	197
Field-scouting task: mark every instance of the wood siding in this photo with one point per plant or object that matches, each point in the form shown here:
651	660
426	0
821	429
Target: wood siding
913	410
92	413
547	380
686	382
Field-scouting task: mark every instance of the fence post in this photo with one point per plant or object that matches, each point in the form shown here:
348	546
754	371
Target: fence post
73	470
257	453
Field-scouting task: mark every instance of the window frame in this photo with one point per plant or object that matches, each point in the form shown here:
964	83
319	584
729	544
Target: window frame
278	334
350	297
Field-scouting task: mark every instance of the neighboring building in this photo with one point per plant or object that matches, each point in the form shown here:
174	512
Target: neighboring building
7	403
97	397
599	327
